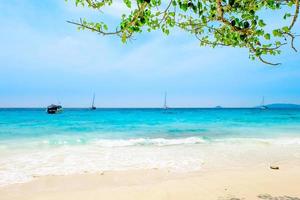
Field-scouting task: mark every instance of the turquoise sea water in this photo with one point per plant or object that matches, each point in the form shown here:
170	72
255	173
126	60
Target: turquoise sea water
80	126
33	143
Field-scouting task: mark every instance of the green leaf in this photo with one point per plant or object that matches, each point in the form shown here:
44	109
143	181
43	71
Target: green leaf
261	23
286	29
124	38
267	36
128	3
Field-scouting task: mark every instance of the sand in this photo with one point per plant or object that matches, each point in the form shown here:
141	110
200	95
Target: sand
252	182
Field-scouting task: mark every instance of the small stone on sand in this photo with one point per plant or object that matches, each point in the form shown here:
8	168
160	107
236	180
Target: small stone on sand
274	167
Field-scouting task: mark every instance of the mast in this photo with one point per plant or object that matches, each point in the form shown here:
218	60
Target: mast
165	102
93	101
262	106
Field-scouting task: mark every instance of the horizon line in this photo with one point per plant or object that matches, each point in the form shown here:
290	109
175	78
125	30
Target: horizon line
99	108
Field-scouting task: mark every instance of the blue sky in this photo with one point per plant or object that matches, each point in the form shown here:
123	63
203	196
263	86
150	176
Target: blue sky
44	60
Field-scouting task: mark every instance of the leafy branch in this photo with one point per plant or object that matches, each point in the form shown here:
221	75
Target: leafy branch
232	23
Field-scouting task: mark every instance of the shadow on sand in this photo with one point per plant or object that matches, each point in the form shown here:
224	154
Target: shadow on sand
266	197
269	197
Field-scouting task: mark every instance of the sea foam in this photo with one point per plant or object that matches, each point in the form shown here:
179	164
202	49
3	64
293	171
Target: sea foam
148	142
180	155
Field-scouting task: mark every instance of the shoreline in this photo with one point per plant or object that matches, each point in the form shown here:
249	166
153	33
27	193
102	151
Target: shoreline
253	182
22	166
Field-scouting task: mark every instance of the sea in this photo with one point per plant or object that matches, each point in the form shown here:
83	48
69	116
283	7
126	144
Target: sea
34	143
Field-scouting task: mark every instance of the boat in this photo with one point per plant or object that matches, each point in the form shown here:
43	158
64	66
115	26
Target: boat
165	107
54	109
263	106
93	103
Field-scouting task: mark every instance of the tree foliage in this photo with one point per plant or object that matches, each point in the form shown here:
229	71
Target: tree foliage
233	23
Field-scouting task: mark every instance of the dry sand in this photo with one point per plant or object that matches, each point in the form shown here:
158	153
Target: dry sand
259	182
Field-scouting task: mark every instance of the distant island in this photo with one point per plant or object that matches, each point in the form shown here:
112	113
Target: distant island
283	106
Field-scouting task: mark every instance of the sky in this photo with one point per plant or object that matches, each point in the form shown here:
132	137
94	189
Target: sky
45	60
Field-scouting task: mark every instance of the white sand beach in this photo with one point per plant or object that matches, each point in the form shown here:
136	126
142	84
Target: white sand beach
252	182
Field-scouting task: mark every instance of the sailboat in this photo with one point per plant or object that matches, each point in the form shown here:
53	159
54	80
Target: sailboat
263	106
165	102
93	103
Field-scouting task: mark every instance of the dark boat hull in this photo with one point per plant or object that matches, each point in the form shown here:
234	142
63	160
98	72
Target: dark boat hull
54	109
